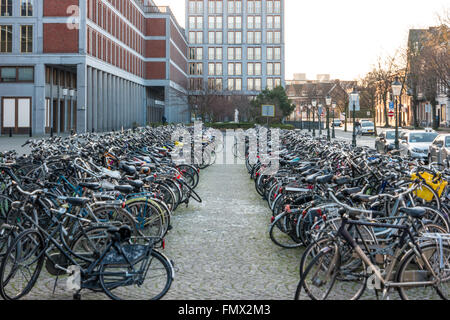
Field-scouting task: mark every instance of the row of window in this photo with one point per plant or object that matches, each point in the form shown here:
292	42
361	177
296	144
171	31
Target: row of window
235	69
235	22
16	74
60	78
26	39
234	6
234	84
125	7
235	37
105	18
26	8
253	53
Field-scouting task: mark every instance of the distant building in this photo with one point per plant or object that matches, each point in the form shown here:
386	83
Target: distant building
235	46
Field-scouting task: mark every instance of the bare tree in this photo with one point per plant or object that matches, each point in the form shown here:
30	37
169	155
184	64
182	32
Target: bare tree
368	94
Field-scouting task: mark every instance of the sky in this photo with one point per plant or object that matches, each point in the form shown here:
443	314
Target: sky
344	38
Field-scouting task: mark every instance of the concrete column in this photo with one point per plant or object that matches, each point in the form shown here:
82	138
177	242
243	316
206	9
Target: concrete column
100	102
89	99
110	109
81	98
94	99
105	102
38	105
114	103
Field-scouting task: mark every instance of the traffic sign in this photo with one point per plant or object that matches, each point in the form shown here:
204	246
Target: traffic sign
268	111
391	113
391	106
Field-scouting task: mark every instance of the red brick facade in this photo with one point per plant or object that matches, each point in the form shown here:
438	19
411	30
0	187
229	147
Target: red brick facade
155	70
59	8
67	39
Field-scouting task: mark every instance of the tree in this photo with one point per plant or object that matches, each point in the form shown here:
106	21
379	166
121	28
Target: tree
278	97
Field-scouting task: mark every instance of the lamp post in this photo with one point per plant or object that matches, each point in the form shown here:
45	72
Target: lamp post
334	107
314	104
396	90
309	119
301	117
319	116
354	98
328	102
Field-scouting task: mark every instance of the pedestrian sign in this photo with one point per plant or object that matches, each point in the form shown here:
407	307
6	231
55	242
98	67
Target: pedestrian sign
268	111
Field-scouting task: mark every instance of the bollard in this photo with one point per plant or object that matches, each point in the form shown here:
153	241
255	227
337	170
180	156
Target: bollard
31	132
51	132
10	132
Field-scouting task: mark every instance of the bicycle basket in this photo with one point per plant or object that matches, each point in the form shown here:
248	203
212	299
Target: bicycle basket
438	186
133	252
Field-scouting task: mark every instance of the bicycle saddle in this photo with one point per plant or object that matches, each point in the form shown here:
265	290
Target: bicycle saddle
120	234
350	191
324	179
78	202
342	180
124	188
90	185
128	169
136	183
361	197
311	178
417	212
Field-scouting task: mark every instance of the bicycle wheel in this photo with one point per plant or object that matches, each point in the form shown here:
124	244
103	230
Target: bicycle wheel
325	279
412	269
148	279
21	265
282	231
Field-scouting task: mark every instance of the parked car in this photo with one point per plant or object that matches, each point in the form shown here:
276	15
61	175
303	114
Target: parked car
416	143
367	127
440	145
336	123
385	142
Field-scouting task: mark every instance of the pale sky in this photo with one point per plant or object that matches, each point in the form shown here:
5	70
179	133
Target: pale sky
344	37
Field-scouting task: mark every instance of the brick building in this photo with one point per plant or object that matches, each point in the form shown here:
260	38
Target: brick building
92	65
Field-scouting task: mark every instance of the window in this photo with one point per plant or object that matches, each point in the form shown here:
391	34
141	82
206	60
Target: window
273	6
214	22
5	39
17	74
234	53
235	22
6	8
196	53
254	69
191	37
26	39
235	84
254	37
277	22
234	37
215	84
254	84
234	69
199	37
26	8
196	69
234	6
215	69
269	22
254	53
196	7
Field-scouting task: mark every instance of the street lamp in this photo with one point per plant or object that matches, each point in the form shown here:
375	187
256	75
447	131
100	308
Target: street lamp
396	90
309	119
314	104
328	102
334	107
354	99
301	117
319	115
